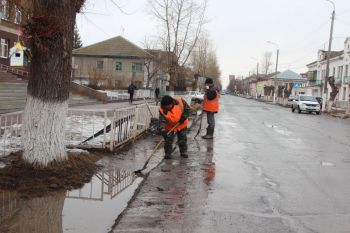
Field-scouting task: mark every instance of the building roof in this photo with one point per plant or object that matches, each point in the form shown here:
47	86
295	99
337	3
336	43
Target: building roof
114	47
288	75
333	54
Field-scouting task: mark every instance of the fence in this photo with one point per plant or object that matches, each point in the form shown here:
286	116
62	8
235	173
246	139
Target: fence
85	128
124	95
10	132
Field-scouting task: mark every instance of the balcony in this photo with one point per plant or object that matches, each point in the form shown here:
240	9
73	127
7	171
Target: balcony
314	82
347	80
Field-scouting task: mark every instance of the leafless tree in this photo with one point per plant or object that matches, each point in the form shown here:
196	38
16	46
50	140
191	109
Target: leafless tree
199	57
266	63
204	60
181	24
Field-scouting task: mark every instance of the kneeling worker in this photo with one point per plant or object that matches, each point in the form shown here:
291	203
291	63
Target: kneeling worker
173	119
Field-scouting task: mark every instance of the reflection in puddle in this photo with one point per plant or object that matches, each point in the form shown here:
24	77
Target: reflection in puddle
37	215
90	209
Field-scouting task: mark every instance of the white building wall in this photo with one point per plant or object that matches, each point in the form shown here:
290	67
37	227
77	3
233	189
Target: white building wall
339	68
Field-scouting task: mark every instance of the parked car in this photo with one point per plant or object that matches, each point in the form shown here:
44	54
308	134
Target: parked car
306	103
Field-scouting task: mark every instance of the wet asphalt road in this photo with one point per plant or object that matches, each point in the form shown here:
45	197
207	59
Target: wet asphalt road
267	170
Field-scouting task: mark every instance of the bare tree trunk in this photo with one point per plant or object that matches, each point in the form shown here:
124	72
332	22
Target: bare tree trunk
333	94
42	214
48	89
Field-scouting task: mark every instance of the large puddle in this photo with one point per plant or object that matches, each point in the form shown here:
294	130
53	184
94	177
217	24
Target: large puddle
91	209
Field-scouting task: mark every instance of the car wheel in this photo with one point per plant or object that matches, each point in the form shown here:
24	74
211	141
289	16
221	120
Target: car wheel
299	111
318	113
293	109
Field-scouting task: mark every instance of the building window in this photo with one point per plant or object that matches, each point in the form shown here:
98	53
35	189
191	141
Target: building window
333	71
346	70
136	67
340	72
18	15
4	9
4	48
99	65
118	66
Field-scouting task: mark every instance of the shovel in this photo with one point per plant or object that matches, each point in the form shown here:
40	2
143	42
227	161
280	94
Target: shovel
139	172
200	126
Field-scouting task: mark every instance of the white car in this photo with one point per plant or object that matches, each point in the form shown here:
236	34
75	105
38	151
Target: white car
306	103
196	95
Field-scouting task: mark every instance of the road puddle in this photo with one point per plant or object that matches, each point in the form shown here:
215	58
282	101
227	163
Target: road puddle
91	209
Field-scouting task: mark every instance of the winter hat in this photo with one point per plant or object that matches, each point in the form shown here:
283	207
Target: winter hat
167	100
209	81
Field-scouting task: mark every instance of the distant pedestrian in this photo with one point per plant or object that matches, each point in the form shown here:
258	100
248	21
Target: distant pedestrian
173	118
131	90
211	106
156	92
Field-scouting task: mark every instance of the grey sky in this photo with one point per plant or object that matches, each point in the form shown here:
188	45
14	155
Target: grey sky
238	29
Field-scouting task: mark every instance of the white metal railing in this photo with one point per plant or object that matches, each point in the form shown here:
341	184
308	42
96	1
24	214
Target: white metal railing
124	95
85	128
10	132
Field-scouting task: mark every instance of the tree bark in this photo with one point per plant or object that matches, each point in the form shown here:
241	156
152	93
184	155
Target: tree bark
51	30
333	94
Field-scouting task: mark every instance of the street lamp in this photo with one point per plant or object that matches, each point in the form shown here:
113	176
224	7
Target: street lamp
325	89
278	52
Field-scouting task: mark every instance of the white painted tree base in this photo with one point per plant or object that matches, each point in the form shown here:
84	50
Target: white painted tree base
44	131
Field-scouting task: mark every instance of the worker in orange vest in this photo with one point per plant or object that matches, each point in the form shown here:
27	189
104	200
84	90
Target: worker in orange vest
211	106
173	118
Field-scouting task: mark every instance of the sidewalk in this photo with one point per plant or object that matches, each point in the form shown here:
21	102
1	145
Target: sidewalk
172	197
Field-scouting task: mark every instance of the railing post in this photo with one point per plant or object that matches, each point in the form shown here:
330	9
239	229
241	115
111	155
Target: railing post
112	132
104	129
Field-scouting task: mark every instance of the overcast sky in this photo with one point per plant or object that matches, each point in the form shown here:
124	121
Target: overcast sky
239	29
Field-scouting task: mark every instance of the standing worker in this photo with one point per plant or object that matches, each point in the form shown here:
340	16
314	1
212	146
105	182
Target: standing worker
131	90
173	119
211	106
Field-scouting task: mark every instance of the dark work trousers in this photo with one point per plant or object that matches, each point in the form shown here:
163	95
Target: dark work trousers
211	123
181	140
131	97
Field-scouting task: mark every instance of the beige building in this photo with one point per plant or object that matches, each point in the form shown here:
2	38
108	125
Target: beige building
114	63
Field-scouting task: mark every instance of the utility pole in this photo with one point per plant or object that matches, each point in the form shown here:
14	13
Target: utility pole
278	52
325	92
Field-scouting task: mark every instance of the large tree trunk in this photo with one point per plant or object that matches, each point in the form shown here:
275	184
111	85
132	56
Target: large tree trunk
333	94
51	29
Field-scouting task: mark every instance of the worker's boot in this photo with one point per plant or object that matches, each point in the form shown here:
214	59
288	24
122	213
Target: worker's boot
167	156
184	155
209	134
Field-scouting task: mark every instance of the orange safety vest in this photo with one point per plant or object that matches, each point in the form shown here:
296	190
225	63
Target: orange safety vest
173	117
211	105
